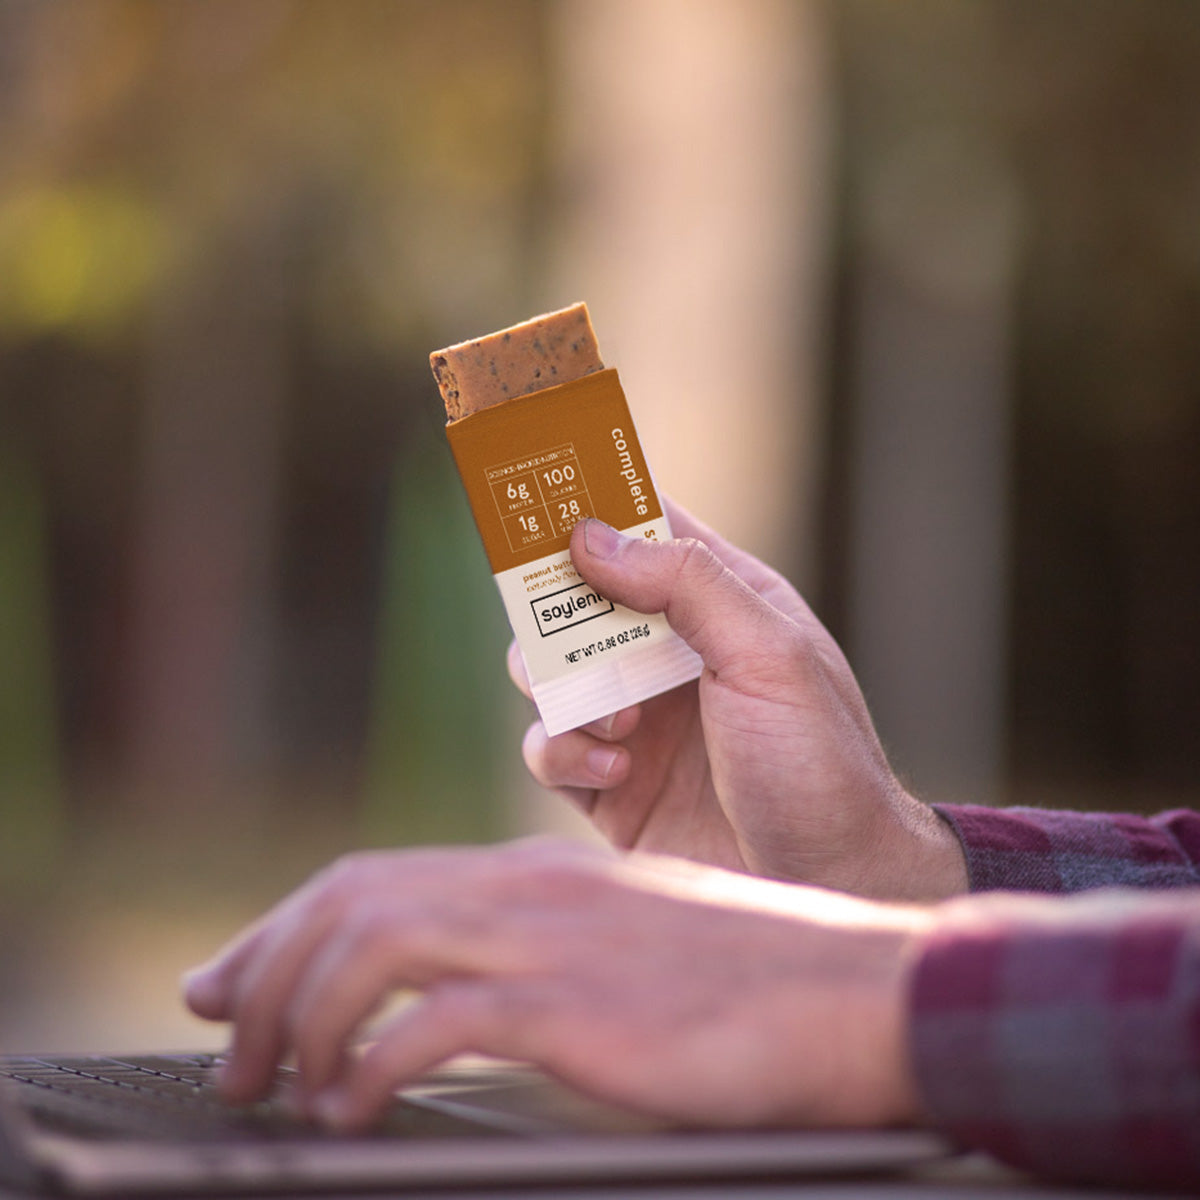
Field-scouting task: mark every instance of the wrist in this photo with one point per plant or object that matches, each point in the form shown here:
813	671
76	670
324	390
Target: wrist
886	1093
914	854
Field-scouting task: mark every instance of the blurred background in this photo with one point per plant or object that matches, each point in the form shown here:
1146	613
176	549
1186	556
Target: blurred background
905	298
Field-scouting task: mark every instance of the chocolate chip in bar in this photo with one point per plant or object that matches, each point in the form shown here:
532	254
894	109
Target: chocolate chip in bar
554	348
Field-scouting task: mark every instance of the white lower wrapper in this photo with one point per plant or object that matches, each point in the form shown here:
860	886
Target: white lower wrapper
587	657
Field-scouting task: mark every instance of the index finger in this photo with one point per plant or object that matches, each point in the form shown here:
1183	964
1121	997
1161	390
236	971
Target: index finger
765	580
209	988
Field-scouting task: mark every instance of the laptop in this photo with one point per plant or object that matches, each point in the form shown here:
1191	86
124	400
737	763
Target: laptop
128	1125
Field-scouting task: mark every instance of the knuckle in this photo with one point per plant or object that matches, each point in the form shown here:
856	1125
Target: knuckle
471	1009
341	876
696	560
802	657
554	871
541	871
349	911
519	1005
351	876
706	595
371	928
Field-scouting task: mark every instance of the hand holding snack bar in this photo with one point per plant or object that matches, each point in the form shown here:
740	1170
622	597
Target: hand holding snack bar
769	763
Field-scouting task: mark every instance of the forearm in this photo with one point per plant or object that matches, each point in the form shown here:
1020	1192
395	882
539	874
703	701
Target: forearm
1059	1035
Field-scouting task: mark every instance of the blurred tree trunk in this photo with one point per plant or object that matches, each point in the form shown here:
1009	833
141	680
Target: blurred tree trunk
933	223
694	166
1106	671
211	451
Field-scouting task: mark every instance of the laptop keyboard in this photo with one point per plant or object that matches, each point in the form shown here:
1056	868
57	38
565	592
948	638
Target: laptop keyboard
175	1097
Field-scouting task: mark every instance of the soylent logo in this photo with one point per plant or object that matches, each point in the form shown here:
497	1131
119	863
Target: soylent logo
571	606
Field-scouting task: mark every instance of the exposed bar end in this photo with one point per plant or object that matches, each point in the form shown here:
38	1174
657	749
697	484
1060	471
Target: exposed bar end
542	352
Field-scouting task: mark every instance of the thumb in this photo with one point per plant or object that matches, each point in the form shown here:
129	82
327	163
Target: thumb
721	617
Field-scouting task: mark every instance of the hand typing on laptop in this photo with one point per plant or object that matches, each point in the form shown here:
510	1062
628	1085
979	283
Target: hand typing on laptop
1057	1032
677	990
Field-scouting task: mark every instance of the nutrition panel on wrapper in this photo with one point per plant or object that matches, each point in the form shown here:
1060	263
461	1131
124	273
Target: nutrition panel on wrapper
540	499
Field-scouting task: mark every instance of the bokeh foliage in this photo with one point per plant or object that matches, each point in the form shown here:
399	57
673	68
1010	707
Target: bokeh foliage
230	233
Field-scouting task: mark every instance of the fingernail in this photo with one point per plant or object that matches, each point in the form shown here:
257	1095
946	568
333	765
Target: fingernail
601	540
601	760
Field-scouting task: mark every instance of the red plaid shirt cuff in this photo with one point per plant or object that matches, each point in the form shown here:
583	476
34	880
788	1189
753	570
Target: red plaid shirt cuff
1064	1037
1041	850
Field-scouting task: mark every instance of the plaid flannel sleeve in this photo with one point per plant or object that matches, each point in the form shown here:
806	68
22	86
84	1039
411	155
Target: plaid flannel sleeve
1042	850
1063	1035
